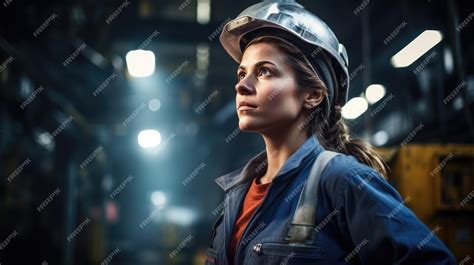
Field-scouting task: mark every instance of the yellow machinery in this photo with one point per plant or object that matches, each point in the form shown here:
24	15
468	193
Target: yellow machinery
437	183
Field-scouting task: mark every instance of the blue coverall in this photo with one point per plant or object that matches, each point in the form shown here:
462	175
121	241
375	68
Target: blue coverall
360	217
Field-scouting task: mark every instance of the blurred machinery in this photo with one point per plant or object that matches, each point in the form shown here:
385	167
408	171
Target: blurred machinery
436	182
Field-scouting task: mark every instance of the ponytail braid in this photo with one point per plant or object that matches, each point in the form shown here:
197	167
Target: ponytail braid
334	135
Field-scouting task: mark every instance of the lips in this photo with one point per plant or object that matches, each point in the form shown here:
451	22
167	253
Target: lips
244	105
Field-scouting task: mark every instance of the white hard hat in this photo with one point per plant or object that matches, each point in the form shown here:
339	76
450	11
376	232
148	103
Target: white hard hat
291	21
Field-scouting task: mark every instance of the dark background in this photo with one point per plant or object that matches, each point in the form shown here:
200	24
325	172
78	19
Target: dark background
196	148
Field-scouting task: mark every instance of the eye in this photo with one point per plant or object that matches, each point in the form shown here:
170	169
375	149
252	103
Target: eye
240	75
264	71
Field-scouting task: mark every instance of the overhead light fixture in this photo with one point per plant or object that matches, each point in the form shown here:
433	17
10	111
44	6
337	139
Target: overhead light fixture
448	60
46	140
140	63
154	104
158	198
183	216
354	108
416	48
149	138
203	11
202	60
374	93
380	138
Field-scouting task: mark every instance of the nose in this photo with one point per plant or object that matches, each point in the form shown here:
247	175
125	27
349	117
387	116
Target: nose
245	86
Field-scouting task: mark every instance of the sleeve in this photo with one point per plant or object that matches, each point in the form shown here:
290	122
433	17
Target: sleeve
381	230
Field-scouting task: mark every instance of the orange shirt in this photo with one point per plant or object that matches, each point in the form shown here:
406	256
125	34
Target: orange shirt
253	199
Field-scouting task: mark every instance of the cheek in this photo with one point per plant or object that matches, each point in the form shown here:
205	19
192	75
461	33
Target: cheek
280	99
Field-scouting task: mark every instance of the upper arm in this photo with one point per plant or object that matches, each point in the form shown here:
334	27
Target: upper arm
378	226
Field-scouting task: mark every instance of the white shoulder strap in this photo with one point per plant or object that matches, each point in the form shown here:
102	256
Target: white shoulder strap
301	228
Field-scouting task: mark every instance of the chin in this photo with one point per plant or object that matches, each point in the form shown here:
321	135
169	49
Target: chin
252	125
247	126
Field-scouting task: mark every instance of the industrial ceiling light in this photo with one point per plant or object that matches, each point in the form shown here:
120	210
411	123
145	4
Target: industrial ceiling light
140	63
374	93
158	198
380	138
154	104
149	138
203	11
416	48
354	108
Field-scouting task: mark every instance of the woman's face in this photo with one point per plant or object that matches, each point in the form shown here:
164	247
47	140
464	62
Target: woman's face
266	83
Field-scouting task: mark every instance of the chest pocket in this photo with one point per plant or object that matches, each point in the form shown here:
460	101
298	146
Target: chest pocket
212	257
272	253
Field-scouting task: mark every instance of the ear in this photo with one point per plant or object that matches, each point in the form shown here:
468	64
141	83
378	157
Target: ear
312	98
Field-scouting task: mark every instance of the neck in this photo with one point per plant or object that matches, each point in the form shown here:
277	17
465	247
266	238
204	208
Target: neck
279	147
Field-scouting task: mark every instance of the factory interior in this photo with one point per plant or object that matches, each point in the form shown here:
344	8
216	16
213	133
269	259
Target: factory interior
117	116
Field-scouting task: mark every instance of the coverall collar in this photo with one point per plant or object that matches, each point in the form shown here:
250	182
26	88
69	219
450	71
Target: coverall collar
258	164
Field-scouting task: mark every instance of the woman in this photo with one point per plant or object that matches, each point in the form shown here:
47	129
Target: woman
296	203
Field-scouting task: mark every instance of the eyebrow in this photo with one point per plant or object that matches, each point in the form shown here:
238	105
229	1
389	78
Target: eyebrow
258	64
